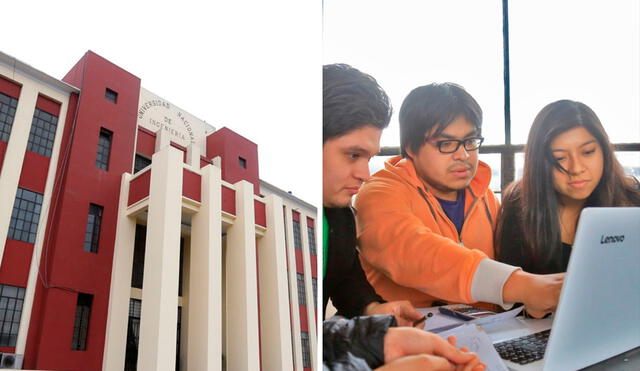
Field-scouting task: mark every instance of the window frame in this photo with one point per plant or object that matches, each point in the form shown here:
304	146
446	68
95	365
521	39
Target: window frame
21	215
41	135
111	95
6	125
92	234
508	150
102	158
311	235
306	349
16	314
81	322
140	159
297	235
302	291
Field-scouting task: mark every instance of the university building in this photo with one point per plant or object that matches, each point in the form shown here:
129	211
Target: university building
138	237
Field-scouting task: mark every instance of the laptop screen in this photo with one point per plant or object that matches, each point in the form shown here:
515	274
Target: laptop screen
598	315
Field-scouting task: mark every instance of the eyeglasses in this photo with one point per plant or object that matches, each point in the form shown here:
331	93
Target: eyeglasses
452	145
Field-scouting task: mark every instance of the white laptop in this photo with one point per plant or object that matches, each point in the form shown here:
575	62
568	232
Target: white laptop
598	316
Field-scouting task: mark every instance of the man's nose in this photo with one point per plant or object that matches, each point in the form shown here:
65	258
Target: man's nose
461	153
361	171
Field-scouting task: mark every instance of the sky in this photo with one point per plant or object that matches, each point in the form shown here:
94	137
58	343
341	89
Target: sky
254	66
251	66
582	50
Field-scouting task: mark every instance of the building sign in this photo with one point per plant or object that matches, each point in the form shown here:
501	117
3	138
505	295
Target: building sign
155	113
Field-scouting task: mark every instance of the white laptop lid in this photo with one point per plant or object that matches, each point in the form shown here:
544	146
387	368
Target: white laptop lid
599	312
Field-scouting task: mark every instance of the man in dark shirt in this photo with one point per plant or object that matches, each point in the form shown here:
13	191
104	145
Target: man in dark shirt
355	111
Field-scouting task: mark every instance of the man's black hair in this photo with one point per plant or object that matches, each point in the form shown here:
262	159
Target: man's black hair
350	100
434	106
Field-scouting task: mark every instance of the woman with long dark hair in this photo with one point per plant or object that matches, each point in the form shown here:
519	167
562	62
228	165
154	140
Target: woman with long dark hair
569	165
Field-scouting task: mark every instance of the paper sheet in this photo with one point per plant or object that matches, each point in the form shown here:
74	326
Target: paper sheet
440	322
473	337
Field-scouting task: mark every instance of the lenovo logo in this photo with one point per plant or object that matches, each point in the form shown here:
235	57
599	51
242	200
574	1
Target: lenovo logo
611	239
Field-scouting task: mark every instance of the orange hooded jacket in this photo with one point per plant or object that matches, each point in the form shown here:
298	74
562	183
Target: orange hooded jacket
409	248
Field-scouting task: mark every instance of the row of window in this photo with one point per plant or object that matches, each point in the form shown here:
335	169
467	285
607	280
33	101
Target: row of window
306	349
26	216
297	238
43	126
302	297
11	302
43	131
302	300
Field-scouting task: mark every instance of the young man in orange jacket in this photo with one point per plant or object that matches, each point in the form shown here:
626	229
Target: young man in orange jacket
426	221
355	111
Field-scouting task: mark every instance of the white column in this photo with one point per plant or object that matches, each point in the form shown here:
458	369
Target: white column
158	322
14	157
14	168
293	290
184	303
205	280
274	294
308	289
193	155
118	315
242	350
162	139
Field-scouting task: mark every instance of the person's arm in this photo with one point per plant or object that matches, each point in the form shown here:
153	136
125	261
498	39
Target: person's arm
375	340
345	282
344	341
539	293
403	310
395	241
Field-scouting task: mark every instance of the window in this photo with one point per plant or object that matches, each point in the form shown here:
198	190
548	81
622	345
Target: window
302	300
494	162
243	162
11	299
181	270
314	282
179	335
481	37
43	132
92	234
7	112
312	240
609	69
25	216
137	274
630	162
306	349
519	78
133	335
81	325
140	163
297	239
104	149
111	95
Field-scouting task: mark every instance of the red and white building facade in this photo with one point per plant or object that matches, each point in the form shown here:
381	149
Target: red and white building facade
137	237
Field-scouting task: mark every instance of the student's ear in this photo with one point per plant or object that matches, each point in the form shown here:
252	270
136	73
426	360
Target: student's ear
410	152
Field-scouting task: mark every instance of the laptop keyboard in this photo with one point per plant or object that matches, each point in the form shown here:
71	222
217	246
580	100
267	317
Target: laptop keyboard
524	349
